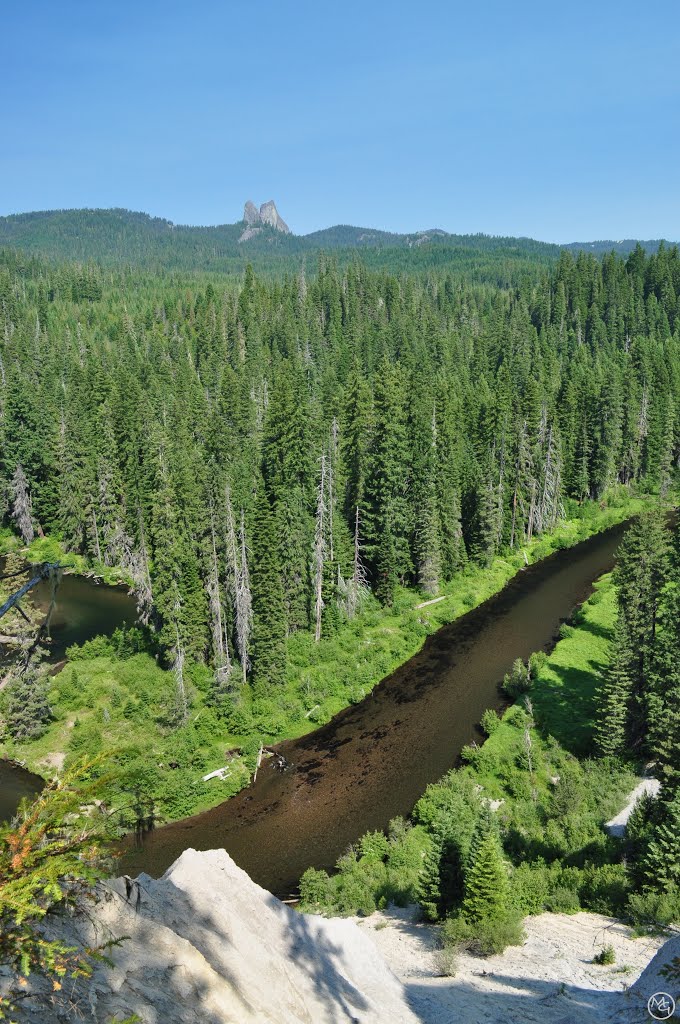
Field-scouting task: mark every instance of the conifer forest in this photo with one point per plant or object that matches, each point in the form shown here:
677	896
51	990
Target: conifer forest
278	465
257	455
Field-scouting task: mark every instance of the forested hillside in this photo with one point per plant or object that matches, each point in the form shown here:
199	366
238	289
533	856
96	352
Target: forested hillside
257	456
119	237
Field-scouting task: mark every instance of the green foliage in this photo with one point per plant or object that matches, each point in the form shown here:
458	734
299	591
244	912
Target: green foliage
605	957
98	647
383	869
660	856
49	855
487	891
490	721
483	936
518	681
24	706
544	848
315	890
654	911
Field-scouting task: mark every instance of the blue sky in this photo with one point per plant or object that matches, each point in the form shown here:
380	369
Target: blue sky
558	121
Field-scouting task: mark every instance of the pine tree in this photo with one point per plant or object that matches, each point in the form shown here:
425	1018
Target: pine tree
486	879
387	518
663	696
660	860
428	890
615	695
640	575
25	706
269	617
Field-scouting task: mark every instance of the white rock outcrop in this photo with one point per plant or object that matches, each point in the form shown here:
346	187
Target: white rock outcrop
206	945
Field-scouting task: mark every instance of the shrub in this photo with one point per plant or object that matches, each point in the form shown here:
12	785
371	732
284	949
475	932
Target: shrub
97	647
490	721
654	910
605	889
374	846
471	753
517	681
530	885
356	894
128	641
316	890
562	900
605	957
446	962
486	936
536	662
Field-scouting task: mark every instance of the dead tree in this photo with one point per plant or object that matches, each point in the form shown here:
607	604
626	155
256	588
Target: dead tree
320	549
49	569
22	511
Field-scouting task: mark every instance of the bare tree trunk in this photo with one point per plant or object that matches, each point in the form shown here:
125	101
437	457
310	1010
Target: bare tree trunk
181	703
220	642
22	511
244	603
319	549
97	546
141	576
239	583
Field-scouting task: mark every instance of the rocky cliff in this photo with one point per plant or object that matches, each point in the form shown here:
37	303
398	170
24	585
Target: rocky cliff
255	219
206	945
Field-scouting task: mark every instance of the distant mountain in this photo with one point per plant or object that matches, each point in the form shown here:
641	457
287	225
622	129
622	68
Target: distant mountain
623	247
255	220
262	237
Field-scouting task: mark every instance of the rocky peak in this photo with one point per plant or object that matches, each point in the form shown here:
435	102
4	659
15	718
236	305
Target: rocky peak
255	219
270	215
250	213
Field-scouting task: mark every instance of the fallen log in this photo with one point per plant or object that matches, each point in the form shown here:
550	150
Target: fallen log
45	571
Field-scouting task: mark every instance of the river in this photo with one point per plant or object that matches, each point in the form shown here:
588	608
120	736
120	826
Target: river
84	609
374	759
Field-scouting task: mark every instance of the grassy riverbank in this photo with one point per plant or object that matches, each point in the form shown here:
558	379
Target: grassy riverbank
550	805
113	698
50	549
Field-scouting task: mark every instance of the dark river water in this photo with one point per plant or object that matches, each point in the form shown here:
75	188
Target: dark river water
374	760
84	609
15	784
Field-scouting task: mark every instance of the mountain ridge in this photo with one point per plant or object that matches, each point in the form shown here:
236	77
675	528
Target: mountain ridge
114	236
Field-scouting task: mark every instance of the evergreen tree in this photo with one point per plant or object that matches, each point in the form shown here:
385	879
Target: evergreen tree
269	618
486	879
660	860
615	695
25	707
640	575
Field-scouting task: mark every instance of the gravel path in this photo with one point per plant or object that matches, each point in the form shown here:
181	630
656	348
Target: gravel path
617	826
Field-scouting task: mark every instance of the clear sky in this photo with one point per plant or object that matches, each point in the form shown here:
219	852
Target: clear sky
556	120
